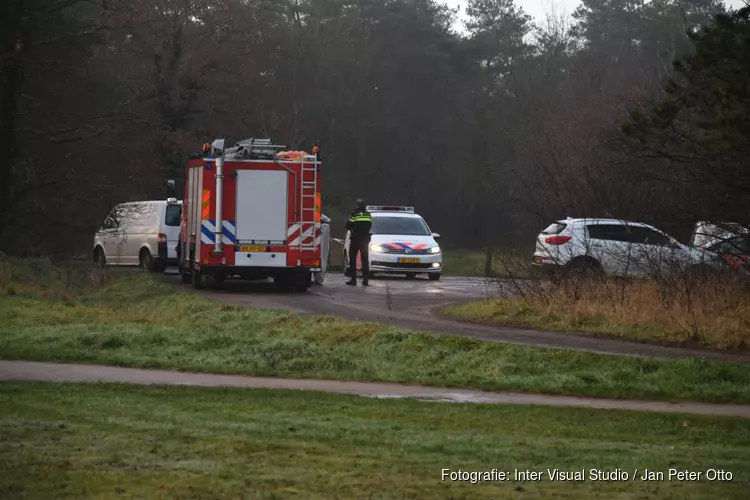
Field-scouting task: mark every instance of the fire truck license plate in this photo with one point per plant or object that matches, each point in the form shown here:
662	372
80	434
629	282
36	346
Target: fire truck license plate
248	248
408	260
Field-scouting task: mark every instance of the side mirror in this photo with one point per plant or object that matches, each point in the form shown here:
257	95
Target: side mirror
435	235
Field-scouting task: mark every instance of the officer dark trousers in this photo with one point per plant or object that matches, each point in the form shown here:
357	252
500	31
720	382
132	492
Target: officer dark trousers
361	247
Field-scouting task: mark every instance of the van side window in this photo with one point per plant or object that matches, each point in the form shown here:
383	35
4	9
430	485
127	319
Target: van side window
172	217
113	219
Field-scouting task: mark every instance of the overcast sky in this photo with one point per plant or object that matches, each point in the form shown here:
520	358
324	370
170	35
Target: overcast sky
537	8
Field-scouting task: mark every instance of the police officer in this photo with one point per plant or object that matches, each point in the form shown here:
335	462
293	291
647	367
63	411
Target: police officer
359	224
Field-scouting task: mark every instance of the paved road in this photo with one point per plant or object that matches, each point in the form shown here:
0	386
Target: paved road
411	304
51	372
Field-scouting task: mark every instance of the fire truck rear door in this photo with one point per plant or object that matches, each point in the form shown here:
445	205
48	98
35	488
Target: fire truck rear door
262	203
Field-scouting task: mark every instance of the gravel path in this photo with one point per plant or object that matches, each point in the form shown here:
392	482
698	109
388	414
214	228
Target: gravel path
52	372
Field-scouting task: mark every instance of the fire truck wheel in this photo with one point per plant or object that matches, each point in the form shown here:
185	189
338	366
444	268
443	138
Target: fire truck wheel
197	279
301	285
219	279
185	276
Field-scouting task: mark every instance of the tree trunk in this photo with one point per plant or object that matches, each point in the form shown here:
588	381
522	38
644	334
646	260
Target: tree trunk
8	107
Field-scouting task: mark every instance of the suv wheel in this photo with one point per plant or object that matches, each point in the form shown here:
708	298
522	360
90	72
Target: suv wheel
585	268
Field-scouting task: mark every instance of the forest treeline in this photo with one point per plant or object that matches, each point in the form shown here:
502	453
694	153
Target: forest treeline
630	108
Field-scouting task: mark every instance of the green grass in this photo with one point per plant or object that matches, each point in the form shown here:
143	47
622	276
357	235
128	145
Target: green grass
131	319
472	263
109	441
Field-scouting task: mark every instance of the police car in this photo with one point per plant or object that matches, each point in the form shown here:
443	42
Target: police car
401	243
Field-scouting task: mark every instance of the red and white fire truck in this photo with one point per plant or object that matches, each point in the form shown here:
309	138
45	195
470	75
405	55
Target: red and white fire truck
252	211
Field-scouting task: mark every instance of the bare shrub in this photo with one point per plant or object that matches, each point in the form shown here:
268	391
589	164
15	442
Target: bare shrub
693	307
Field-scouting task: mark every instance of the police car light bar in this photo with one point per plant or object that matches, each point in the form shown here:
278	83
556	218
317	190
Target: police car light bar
388	208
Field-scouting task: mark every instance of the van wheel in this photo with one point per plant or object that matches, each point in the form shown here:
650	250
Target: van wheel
146	261
197	279
99	259
434	276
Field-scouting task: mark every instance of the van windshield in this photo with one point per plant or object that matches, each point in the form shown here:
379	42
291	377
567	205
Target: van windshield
174	212
407	226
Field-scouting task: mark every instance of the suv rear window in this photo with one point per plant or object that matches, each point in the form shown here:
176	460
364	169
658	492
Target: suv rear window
555	228
174	212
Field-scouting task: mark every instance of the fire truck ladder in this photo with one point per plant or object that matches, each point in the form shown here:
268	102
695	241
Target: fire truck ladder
309	209
254	149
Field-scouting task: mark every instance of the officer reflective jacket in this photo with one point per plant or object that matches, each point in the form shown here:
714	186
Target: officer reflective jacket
359	223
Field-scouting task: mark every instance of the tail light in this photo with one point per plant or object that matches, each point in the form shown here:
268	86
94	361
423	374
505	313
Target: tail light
161	243
557	240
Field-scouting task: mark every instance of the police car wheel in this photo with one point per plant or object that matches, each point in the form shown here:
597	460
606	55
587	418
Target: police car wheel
185	275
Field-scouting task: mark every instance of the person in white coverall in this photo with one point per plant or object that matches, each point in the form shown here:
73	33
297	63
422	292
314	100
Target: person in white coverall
325	245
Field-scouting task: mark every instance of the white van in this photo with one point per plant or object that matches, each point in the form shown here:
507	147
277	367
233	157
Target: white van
140	233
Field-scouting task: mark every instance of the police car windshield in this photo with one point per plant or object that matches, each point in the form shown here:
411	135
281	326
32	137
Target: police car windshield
406	226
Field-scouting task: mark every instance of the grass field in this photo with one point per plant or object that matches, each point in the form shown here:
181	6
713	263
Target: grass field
713	314
64	314
76	441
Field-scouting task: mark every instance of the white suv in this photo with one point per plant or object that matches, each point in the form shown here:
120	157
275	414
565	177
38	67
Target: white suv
613	247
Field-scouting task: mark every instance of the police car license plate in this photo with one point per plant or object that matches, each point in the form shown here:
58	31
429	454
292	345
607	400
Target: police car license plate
408	260
250	248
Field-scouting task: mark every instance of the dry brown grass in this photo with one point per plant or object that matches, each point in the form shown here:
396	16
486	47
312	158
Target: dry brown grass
711	312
